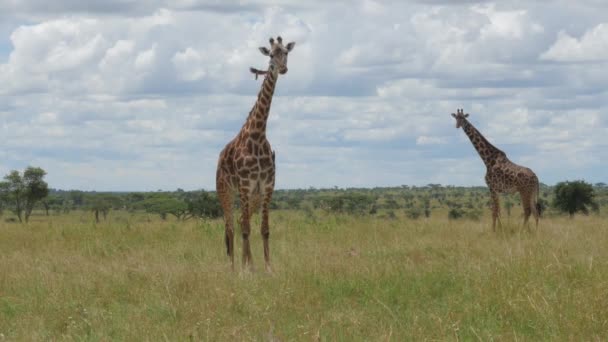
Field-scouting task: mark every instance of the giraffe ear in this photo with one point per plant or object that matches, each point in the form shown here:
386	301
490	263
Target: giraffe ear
466	115
290	46
454	115
264	51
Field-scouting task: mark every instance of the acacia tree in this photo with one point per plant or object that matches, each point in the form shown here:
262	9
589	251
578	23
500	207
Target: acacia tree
183	205
164	204
573	197
12	190
52	202
22	192
101	203
202	204
35	188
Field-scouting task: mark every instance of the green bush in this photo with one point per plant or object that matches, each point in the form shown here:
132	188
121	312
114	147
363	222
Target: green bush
358	204
573	197
473	214
455	213
413	213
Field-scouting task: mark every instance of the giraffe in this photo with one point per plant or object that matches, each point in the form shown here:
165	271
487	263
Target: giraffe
502	175
247	164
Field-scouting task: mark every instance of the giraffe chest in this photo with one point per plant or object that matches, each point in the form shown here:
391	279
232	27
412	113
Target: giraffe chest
255	167
252	165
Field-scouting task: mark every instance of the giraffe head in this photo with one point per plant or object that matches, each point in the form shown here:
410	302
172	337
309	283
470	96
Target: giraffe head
278	54
460	117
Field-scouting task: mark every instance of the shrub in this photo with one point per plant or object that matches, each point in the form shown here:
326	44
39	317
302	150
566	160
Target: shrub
349	203
573	197
413	213
455	213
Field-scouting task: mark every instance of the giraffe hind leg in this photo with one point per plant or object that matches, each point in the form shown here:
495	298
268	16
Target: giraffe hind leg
225	197
535	210
526	202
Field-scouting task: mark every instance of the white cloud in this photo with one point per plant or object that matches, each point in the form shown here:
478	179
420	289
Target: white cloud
426	140
189	64
160	17
145	59
372	7
505	24
116	54
592	46
45	118
55	46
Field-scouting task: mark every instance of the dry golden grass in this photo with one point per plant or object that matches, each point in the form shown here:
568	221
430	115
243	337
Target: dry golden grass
136	277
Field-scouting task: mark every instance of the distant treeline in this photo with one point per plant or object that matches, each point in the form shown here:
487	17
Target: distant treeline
23	192
181	204
415	201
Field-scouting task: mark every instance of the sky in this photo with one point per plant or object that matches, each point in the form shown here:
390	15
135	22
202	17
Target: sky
125	95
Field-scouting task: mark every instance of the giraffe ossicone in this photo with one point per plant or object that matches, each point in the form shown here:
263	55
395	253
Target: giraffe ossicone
247	163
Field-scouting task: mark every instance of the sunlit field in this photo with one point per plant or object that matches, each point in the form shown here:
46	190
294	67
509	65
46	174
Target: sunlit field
336	277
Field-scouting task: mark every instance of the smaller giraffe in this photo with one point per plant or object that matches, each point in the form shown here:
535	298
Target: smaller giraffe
502	175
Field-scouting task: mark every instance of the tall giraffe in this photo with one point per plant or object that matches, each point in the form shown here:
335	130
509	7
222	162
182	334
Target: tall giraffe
246	165
502	175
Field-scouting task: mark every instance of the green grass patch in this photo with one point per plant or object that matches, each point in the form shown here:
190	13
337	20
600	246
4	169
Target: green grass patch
336	277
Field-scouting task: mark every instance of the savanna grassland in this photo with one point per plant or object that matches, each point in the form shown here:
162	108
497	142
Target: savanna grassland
336	276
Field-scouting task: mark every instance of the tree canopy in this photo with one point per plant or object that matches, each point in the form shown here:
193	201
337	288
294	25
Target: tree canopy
21	192
573	197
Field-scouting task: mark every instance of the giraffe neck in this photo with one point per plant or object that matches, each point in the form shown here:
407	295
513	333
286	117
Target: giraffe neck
485	149
256	122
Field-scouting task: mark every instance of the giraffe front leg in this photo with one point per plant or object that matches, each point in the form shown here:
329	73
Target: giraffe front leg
245	226
265	229
229	234
495	210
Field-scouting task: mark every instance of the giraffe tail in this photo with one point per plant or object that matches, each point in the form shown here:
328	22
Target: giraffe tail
227	240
